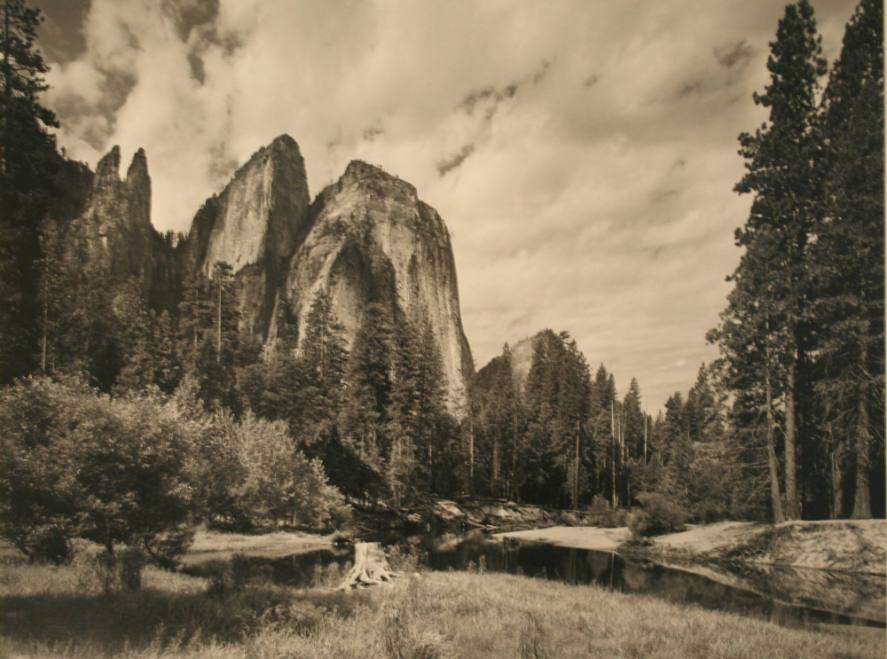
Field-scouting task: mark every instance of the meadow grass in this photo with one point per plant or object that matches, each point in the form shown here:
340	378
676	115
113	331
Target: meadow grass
49	611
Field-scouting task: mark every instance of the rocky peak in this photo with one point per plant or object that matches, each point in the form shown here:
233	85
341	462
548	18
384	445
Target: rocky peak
376	179
372	239
115	228
108	167
261	211
255	225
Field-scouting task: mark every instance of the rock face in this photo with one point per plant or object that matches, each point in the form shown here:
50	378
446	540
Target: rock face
255	225
522	359
366	239
373	240
114	234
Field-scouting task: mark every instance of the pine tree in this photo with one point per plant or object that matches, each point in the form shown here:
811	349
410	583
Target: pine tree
634	420
602	405
325	355
780	160
209	336
365	412
848	259
194	318
28	161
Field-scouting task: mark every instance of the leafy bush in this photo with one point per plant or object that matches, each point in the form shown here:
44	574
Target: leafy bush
604	515
47	543
278	483
77	464
659	515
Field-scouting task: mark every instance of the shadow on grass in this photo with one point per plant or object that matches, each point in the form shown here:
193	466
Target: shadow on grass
150	617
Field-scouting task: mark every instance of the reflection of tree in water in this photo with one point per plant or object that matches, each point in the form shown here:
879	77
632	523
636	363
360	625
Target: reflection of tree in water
599	563
783	595
848	593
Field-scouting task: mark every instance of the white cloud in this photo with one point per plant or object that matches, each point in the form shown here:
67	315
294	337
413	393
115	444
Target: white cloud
595	195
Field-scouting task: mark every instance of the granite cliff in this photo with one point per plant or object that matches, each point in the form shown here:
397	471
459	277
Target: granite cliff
366	238
114	233
373	240
255	225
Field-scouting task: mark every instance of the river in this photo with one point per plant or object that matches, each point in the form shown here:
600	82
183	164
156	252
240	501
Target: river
786	596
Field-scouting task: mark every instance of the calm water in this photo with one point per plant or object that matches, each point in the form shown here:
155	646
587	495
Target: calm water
785	596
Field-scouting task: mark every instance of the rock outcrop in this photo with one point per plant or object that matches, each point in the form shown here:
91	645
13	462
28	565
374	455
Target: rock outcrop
255	225
373	240
114	235
366	238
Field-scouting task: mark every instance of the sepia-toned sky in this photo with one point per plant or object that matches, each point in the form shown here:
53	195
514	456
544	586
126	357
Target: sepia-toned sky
582	152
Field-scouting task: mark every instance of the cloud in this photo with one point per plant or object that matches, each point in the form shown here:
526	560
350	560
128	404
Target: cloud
736	55
583	190
452	162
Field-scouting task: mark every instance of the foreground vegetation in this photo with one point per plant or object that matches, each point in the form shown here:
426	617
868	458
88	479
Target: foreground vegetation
61	611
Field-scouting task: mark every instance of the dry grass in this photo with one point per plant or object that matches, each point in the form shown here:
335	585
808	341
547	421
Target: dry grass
50	612
214	545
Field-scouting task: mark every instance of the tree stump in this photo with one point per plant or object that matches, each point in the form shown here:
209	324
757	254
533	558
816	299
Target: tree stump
370	567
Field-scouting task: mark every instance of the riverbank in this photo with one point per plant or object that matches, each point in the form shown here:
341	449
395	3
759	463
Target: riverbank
858	546
221	546
51	612
577	537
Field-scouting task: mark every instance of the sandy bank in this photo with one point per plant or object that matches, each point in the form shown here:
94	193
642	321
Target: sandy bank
844	545
580	537
212	545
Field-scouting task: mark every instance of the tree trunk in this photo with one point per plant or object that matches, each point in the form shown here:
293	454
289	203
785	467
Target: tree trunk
645	436
496	466
370	567
775	498
837	485
615	500
470	456
576	471
862	507
44	339
791	477
219	325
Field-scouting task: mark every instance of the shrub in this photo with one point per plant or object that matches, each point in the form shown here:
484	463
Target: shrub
603	515
403	558
46	543
659	515
77	464
256	477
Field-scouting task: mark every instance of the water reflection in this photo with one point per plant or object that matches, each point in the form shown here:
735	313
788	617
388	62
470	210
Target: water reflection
782	595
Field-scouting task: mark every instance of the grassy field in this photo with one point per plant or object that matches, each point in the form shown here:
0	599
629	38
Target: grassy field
47	611
213	545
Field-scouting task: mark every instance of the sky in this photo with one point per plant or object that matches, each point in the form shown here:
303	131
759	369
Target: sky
583	153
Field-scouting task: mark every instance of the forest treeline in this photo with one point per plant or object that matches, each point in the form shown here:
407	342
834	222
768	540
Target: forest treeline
787	423
802	336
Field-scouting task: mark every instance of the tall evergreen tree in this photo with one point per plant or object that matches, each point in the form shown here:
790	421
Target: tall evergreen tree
28	161
325	355
848	260
780	173
602	406
368	389
634	420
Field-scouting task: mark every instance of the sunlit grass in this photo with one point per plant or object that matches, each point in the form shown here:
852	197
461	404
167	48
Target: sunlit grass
46	613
